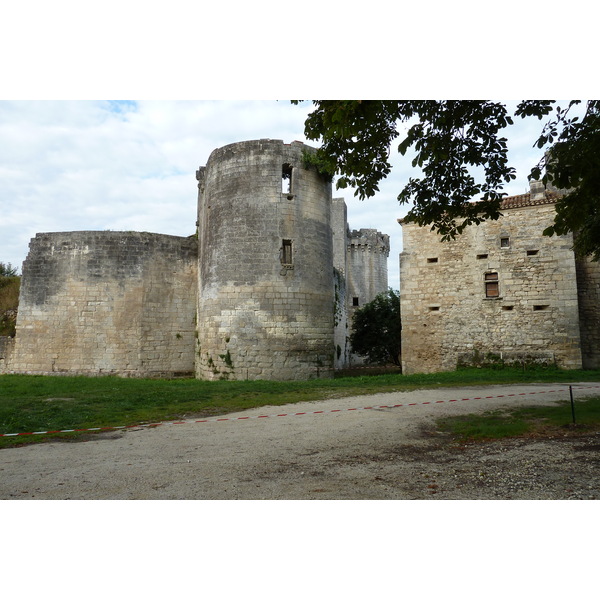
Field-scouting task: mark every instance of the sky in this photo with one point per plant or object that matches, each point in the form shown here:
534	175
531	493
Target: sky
130	166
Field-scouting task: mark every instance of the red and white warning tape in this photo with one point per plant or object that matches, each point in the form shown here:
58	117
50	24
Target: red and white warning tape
314	412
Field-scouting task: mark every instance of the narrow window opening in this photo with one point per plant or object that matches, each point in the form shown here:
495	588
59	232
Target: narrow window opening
482	256
432	260
532	252
491	285
434	308
286	179
286	252
541	306
504	242
355	301
507	307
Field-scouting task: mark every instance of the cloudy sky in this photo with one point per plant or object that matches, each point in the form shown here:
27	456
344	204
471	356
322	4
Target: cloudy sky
130	165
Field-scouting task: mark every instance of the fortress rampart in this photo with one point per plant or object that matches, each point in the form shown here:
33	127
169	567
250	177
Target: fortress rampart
265	302
104	302
254	295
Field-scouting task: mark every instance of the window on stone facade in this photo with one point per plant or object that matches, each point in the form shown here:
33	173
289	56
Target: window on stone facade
286	252
532	252
504	242
508	307
286	179
432	260
355	301
482	256
491	285
541	306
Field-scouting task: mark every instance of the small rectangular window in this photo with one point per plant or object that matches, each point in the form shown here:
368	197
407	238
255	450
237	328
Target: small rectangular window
434	308
432	260
286	252
504	242
286	179
541	306
482	256
355	301
491	285
532	252
509	307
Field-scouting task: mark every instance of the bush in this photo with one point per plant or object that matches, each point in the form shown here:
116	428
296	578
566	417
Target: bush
376	329
10	285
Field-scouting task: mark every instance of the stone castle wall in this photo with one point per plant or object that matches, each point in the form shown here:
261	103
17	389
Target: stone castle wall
588	280
339	226
265	301
367	251
447	314
7	345
256	294
107	303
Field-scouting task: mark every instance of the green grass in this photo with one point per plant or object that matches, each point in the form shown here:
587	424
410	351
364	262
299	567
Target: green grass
525	421
37	403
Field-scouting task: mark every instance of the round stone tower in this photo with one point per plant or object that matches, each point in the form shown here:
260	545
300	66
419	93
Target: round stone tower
265	301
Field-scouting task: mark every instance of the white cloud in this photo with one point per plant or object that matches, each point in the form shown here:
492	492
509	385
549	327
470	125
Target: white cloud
84	165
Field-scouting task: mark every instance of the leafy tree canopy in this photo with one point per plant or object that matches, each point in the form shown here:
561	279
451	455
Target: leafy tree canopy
461	152
376	329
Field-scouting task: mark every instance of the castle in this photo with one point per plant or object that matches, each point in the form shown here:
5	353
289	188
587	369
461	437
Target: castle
500	291
265	289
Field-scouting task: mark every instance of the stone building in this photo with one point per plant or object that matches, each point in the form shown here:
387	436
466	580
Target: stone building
252	295
500	290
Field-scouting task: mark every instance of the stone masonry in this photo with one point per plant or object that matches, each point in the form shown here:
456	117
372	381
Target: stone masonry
501	290
107	302
253	295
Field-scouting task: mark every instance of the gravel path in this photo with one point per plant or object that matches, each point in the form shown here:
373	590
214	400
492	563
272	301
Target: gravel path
380	453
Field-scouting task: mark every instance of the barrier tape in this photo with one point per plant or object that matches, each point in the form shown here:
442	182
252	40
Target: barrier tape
314	412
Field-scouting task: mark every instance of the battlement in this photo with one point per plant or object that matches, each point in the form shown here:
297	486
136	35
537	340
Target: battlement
369	240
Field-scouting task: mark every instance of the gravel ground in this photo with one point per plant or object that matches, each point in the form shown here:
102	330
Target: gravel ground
381	453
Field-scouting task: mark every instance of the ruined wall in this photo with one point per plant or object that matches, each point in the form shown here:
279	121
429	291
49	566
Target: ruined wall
588	280
367	254
265	301
107	303
448	314
367	251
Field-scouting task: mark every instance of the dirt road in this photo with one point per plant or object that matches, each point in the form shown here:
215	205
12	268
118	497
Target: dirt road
335	453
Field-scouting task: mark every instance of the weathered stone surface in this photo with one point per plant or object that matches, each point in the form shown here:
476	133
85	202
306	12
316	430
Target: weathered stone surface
270	303
266	292
107	303
544	308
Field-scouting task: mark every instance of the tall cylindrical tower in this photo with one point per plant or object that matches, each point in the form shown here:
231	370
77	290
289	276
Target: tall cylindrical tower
265	301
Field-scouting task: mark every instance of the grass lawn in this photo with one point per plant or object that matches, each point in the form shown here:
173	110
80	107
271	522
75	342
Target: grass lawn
534	421
38	403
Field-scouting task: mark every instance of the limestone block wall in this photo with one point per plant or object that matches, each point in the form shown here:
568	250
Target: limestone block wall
588	280
107	303
367	251
339	226
367	254
500	287
6	349
265	300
